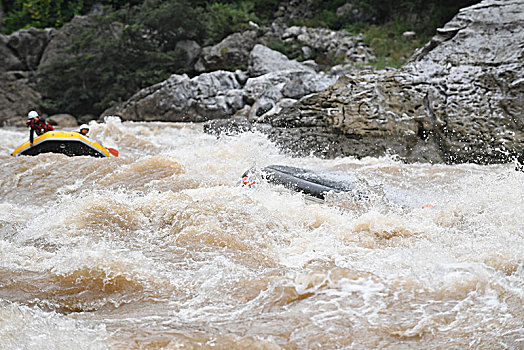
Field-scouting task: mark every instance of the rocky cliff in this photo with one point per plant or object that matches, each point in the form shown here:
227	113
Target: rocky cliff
270	80
459	99
20	54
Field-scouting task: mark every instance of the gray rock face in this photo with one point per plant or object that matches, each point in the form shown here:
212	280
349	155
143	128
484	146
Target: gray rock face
460	99
192	50
8	59
17	93
220	94
29	45
339	45
17	97
263	60
62	120
59	48
21	54
266	90
179	98
230	53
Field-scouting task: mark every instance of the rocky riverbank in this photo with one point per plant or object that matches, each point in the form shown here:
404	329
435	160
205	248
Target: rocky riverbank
459	99
240	71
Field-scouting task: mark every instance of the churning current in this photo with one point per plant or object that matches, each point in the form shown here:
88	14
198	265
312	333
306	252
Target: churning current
164	248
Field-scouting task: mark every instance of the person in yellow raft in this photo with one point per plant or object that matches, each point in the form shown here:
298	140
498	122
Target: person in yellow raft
37	124
84	129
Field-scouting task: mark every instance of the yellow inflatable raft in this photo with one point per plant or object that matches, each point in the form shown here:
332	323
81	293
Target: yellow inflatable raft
69	143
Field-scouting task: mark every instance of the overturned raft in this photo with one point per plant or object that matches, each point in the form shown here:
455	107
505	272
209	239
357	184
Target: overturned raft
315	184
64	142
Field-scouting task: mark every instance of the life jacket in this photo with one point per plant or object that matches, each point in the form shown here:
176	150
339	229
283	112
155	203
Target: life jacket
40	126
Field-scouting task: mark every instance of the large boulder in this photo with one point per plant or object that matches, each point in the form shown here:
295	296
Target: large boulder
336	46
9	61
17	92
263	60
61	46
291	84
29	45
192	50
62	120
181	99
460	99
17	97
229	54
219	94
276	77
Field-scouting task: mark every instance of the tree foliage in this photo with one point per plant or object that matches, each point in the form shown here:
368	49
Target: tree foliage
109	61
107	65
49	13
222	19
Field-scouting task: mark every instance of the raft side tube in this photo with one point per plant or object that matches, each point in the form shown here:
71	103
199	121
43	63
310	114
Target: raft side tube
297	184
306	181
63	142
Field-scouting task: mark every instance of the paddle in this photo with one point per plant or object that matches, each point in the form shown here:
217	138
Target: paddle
112	151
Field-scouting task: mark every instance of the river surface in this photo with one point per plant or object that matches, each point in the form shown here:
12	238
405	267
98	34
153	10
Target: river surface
163	248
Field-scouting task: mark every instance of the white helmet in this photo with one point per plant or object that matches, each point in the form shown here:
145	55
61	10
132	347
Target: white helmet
32	115
84	126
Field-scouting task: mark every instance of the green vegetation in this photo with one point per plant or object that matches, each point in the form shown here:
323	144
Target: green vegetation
222	19
132	44
49	13
384	22
391	48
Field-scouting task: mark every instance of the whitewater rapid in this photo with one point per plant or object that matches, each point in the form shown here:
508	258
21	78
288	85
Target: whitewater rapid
164	248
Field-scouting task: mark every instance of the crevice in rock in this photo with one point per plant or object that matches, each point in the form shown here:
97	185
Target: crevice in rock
439	139
422	133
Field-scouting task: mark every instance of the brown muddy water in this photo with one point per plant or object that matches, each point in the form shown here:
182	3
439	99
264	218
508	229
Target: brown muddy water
163	248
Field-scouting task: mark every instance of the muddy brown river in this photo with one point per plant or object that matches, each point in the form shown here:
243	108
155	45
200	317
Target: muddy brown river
163	248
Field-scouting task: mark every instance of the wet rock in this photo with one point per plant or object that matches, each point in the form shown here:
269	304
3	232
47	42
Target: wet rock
279	106
459	99
261	107
62	120
231	126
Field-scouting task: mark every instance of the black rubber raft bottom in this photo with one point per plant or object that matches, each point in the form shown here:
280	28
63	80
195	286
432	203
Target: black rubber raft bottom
315	184
69	148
